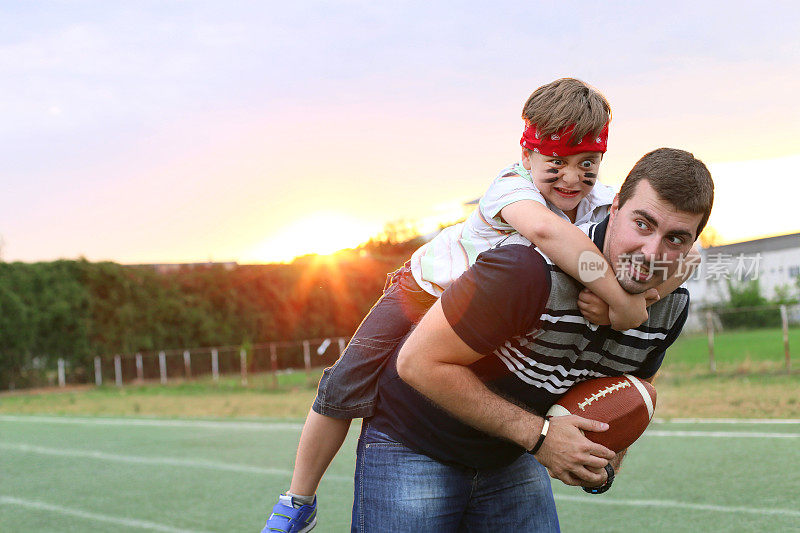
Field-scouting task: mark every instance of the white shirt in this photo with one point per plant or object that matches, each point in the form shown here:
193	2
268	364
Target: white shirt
438	263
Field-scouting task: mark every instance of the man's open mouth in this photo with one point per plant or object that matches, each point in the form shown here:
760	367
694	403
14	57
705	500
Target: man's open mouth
639	271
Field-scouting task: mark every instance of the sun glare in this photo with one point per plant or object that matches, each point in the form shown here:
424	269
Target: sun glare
320	233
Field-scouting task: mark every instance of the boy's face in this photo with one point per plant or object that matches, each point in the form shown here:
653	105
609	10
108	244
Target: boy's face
564	181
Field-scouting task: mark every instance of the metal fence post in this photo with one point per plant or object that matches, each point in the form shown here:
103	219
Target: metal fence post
139	368
243	365
712	364
187	364
785	323
215	364
162	366
62	381
118	370
273	361
307	359
98	371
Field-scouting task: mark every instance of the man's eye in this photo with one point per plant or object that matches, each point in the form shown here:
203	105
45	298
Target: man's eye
676	241
641	224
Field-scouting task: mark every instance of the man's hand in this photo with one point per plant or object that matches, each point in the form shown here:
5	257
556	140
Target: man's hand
569	456
600	472
616	464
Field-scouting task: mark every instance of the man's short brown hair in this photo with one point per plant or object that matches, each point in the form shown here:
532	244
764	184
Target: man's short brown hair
564	102
678	178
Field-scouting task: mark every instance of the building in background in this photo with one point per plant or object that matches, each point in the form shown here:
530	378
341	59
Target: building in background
773	261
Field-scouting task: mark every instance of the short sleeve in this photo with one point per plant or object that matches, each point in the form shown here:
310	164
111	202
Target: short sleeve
499	297
656	357
505	190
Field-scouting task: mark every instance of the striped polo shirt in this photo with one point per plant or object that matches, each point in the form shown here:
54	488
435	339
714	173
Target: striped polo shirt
520	310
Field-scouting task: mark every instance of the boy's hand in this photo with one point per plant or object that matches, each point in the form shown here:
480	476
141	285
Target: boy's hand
593	308
632	313
596	311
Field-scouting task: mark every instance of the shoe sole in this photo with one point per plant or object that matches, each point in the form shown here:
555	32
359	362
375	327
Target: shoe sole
309	527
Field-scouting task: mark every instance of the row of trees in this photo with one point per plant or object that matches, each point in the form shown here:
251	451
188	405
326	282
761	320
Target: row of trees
747	307
77	310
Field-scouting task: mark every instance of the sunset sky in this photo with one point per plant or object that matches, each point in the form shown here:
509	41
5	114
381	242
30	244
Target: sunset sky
186	131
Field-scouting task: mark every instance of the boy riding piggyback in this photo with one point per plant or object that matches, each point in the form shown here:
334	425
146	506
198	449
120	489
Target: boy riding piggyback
543	196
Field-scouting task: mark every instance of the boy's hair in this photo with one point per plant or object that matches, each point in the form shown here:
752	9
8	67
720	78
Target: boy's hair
564	102
678	178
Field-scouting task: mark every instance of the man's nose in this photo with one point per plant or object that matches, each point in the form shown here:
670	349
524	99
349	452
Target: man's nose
651	247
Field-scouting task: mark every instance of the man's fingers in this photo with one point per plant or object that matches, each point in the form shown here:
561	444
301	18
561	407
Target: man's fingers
568	479
595	462
589	425
598	450
588	477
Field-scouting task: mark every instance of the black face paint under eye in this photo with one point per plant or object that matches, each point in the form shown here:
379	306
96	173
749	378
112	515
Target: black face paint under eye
551	170
550	180
591	177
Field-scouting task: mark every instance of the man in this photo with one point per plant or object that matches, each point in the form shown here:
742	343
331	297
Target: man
462	400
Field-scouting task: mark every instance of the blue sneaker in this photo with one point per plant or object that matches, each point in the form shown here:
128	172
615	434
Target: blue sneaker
285	518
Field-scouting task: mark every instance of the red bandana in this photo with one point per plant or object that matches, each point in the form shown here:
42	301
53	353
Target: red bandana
558	144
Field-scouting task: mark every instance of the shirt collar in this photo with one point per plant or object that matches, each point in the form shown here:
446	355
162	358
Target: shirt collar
599	236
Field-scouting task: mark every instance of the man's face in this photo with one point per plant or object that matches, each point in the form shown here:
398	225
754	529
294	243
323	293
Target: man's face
647	239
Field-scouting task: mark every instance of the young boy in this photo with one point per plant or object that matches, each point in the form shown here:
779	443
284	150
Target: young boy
553	187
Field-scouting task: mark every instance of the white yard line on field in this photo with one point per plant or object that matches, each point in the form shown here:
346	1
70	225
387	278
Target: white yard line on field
154	422
231	467
160	461
296	426
720	434
679	505
120	521
726	421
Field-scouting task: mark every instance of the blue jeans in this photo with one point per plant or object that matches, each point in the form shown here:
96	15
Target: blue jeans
349	388
399	490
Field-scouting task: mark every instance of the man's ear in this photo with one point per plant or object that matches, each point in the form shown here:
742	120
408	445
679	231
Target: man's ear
612	211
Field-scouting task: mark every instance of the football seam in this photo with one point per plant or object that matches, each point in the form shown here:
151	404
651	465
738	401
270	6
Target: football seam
589	400
648	401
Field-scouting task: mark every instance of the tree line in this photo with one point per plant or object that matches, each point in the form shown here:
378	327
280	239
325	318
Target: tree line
746	306
77	310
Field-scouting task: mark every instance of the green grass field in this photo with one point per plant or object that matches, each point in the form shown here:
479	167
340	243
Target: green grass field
735	349
144	474
201	456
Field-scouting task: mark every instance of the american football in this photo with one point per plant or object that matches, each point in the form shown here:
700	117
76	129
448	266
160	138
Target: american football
625	403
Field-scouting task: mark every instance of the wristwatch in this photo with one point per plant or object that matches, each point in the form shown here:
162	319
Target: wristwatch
605	486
